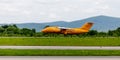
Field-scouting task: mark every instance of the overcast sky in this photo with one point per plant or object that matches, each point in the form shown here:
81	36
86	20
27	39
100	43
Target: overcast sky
25	11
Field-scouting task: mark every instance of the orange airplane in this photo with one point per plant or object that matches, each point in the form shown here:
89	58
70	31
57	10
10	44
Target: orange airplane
63	30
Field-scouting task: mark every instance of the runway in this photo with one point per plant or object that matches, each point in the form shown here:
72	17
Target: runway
63	47
59	58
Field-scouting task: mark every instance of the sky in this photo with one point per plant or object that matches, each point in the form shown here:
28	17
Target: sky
39	11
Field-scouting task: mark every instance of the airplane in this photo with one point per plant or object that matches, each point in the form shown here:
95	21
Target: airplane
63	30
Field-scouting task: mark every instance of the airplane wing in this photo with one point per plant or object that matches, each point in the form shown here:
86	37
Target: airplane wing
64	28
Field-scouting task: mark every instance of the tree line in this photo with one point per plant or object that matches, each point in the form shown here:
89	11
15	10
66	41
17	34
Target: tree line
13	30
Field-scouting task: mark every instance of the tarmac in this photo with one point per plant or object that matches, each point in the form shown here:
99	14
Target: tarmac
59	58
64	47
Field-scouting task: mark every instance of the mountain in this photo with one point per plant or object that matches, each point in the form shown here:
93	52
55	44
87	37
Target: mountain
101	23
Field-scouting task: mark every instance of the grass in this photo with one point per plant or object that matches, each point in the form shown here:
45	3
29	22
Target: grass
87	41
11	52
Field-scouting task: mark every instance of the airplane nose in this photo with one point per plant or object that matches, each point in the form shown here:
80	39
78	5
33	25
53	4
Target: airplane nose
43	30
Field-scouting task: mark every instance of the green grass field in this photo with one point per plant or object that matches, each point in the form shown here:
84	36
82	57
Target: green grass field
11	52
87	41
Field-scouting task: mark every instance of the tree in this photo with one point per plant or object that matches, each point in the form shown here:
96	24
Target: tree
102	34
27	32
110	33
5	26
33	30
14	25
92	32
1	29
118	31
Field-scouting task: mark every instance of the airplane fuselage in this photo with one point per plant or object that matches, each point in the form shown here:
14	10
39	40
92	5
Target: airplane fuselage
64	31
54	29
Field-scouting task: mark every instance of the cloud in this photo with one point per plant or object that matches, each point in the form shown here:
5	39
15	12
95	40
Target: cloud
20	11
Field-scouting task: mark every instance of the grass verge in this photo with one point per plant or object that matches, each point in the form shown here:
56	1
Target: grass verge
87	41
11	52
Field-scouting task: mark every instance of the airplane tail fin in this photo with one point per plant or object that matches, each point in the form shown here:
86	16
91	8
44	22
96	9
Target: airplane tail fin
87	26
